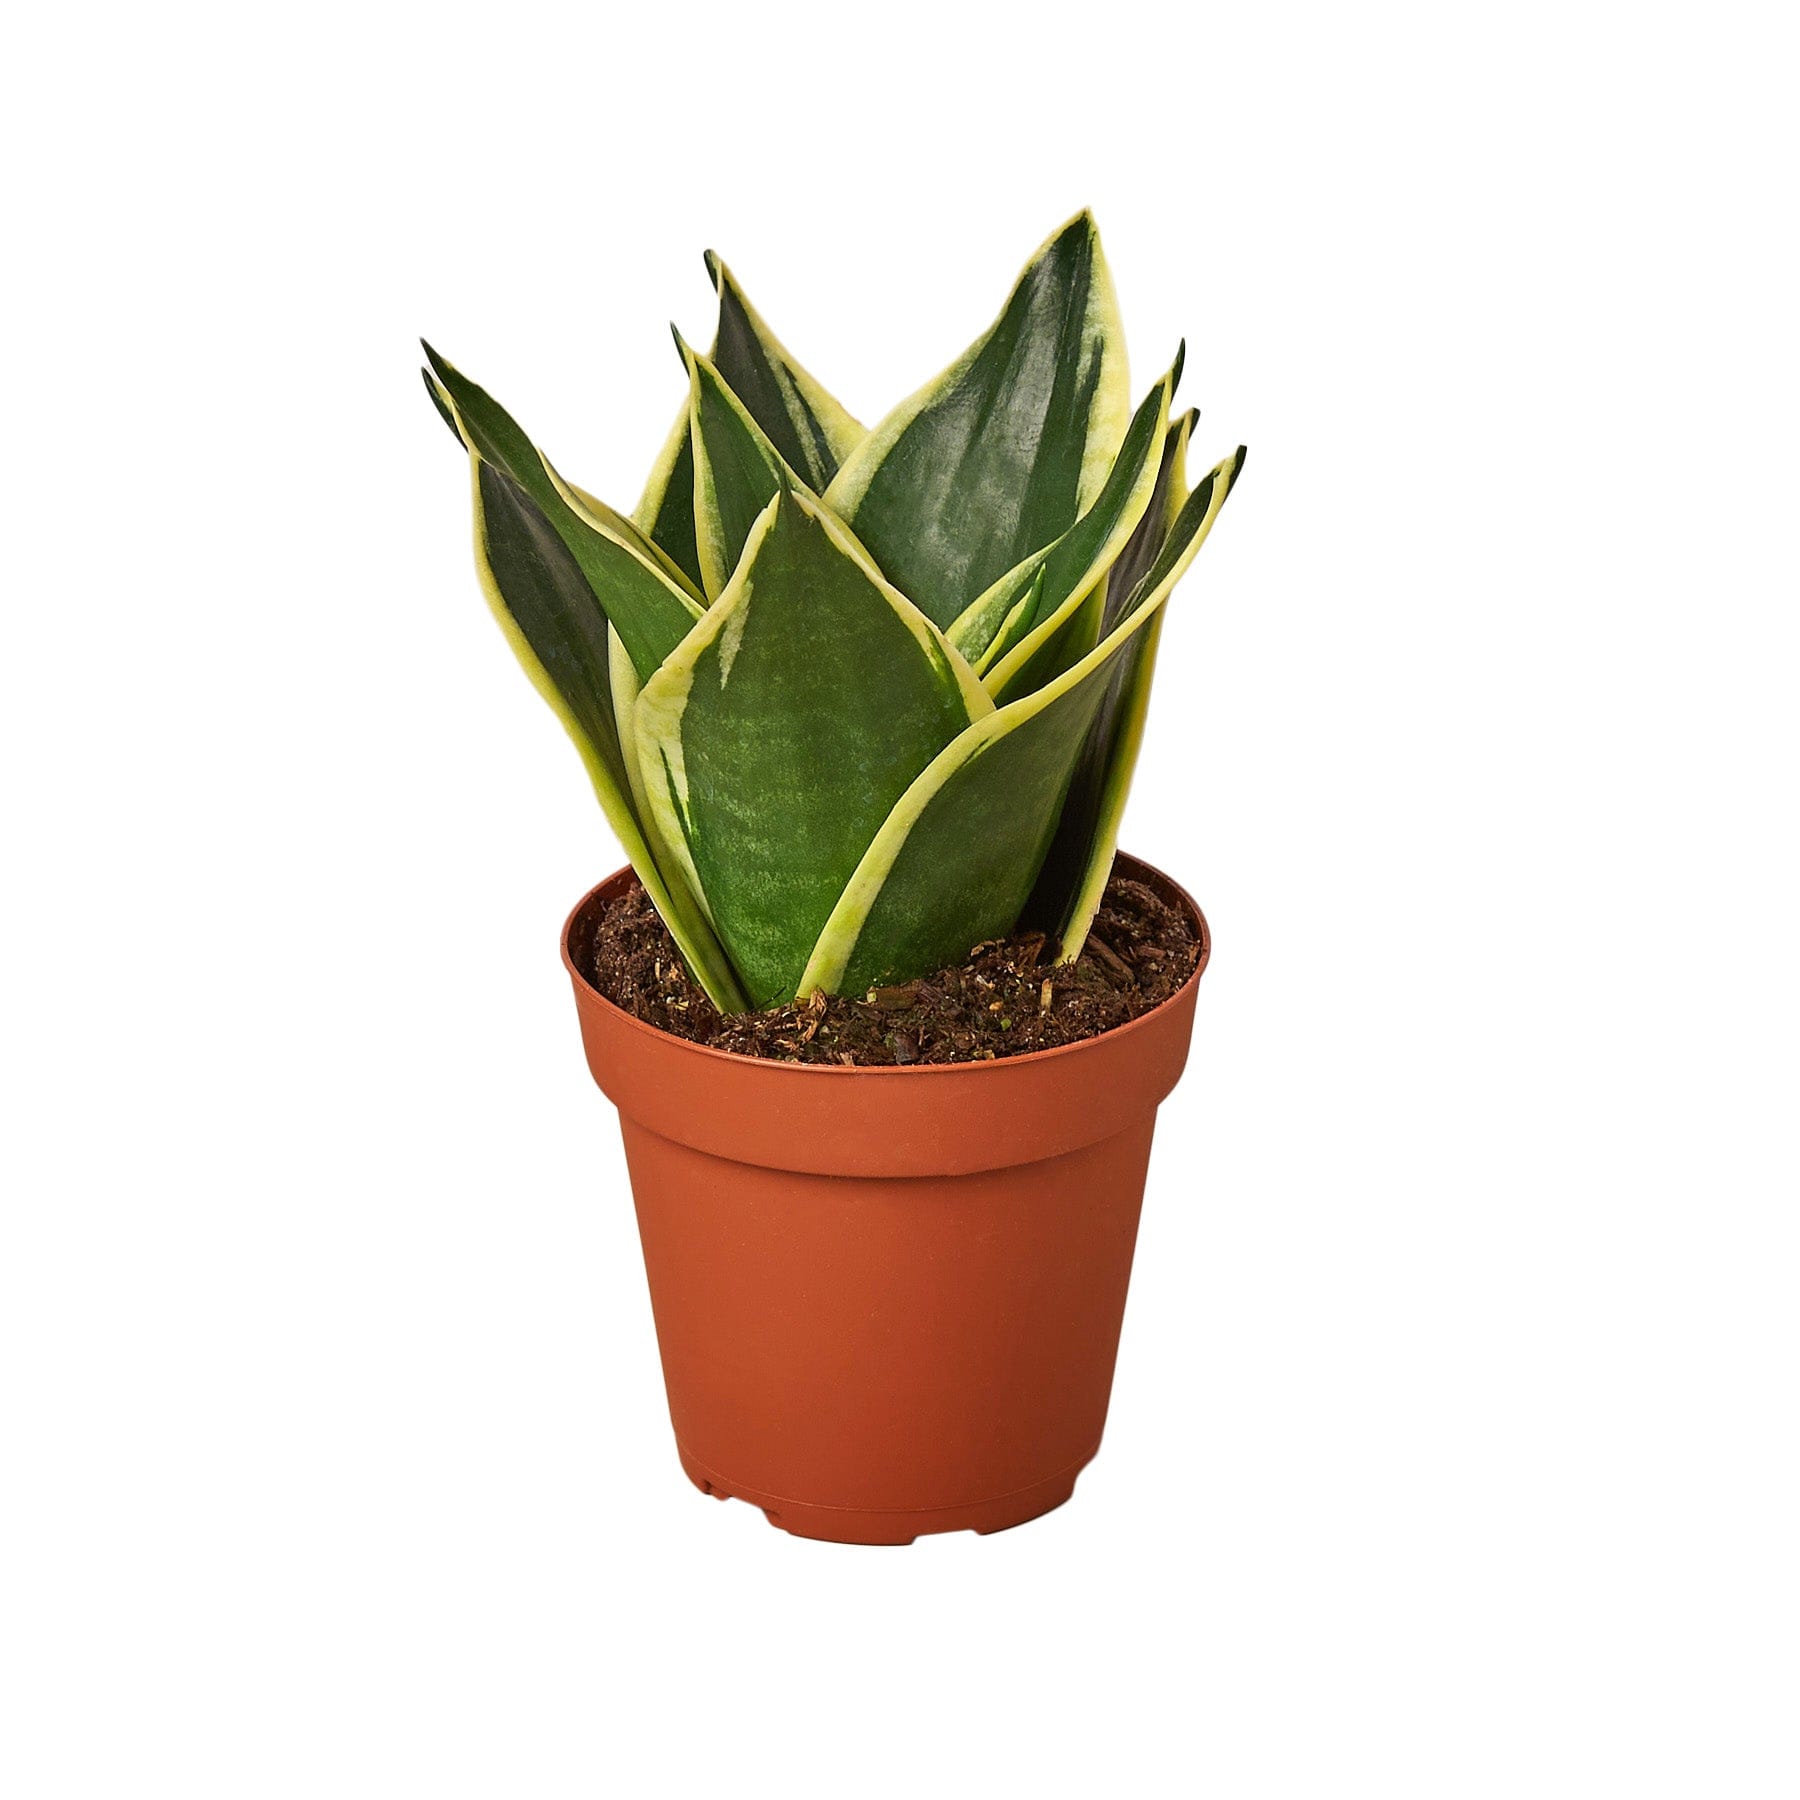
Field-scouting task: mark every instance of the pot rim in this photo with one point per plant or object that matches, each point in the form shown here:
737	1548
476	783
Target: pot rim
840	1070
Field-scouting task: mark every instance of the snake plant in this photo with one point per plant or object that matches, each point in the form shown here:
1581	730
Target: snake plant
855	700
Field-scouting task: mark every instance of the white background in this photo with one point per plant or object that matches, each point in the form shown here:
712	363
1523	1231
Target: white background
1454	1443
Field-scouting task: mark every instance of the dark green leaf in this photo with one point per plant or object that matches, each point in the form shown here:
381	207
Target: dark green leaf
998	456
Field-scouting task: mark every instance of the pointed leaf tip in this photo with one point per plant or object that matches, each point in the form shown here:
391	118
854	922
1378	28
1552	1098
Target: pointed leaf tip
1031	417
441	405
1081	224
627	589
737	471
714	267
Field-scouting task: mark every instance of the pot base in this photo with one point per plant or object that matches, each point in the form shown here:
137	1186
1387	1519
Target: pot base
851	1525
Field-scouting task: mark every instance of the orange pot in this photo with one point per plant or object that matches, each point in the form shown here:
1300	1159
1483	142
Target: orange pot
888	1300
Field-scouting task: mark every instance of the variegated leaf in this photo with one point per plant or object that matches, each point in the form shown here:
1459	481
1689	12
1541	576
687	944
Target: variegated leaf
665	514
737	471
805	424
1135	561
779	736
542	601
998	456
1072	568
639	590
957	858
1073	879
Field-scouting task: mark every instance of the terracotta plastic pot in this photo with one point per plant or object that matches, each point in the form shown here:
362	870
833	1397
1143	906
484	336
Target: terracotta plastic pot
888	1300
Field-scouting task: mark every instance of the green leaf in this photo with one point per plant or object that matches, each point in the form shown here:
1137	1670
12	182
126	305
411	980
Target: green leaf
441	402
615	525
1003	614
808	428
666	512
1073	879
625	689
489	431
544	606
804	424
638	590
998	456
780	735
956	860
1136	559
737	471
1000	638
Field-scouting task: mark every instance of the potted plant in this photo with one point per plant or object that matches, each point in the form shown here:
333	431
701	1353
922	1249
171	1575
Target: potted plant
862	707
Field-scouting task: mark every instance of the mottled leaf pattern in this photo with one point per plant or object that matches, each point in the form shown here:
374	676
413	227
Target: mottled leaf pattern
543	603
649	609
856	700
737	471
780	735
811	432
958	857
1074	567
998	456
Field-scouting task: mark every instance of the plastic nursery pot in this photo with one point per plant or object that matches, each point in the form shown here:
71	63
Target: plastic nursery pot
888	1299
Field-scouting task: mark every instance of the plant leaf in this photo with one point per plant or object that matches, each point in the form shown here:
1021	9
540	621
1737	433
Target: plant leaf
601	517
737	471
1008	607
1172	490
665	514
1073	880
808	428
994	627
649	609
999	454
625	686
956	860
544	606
779	736
441	404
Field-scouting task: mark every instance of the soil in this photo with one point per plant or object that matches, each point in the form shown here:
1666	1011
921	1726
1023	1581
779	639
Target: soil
1007	999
